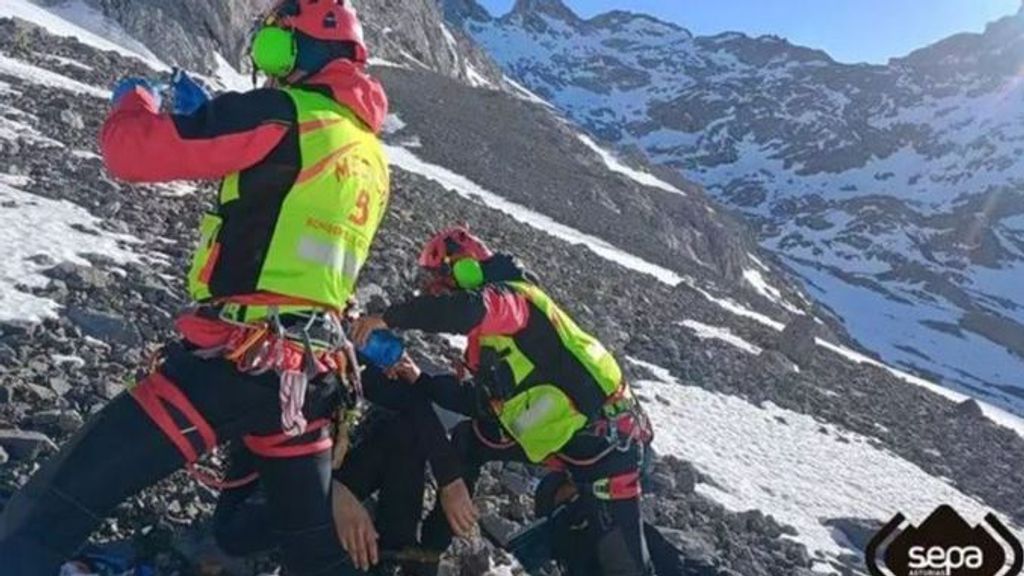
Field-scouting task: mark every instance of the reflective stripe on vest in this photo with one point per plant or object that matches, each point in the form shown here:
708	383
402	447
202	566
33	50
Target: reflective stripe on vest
327	220
543	417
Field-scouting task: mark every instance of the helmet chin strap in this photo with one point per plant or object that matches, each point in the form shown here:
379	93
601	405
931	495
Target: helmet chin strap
298	77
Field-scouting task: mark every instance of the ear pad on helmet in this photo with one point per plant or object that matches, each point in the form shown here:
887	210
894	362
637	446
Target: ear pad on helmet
274	51
468	274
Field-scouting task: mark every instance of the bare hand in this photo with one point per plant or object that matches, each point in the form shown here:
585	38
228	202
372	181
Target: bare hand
406	370
459	508
354	527
364	326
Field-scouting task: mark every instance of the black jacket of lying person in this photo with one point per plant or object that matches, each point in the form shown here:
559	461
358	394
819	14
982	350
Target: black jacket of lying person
389	453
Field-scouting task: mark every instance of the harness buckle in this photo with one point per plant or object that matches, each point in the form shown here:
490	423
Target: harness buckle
622	487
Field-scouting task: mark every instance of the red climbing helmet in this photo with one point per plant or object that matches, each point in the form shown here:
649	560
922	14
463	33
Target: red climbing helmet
453	259
452	245
329	20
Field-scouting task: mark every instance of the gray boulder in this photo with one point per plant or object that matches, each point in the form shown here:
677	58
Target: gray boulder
25	445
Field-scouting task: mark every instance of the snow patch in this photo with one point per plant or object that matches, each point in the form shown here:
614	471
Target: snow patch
616	165
525	93
86	155
33	229
457	341
708	332
758	262
476	79
78	20
67	62
800	470
740	310
37	75
15	179
175	189
229	78
406	160
386	63
14	130
393	124
473	76
68	360
453	46
758	282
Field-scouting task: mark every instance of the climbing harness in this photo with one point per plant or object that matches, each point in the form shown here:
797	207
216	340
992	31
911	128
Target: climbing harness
287	346
620	487
624	425
299	347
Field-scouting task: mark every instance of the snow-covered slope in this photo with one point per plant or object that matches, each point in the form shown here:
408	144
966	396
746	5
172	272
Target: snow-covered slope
770	459
37	233
893	191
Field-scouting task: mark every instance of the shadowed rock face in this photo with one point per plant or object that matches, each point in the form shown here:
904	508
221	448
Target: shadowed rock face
188	33
414	32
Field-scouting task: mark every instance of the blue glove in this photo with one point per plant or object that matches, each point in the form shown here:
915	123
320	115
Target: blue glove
189	96
128	85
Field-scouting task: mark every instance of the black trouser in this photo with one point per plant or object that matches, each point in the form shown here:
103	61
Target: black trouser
384	458
613	528
121	451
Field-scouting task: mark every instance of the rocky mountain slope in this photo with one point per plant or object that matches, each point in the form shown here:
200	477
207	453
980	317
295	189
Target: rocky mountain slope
777	444
202	36
892	191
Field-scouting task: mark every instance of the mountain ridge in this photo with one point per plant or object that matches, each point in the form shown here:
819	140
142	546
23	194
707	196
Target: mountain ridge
457	10
887	188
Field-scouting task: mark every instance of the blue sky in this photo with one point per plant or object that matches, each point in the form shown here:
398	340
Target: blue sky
849	30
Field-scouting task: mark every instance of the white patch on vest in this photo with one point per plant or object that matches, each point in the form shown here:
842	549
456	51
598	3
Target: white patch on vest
329	254
536	414
596	351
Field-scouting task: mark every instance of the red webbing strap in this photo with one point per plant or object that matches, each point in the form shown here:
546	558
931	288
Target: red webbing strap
155	394
276	446
622	487
625	486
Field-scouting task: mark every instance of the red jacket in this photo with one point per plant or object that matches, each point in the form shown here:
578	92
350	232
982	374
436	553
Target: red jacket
231	133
